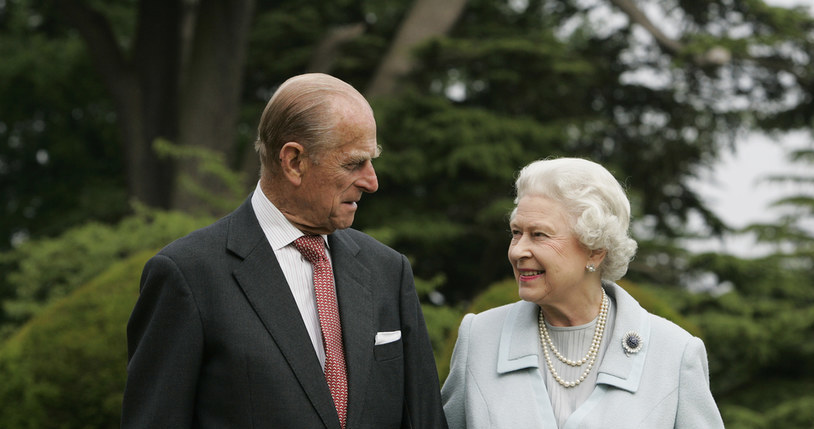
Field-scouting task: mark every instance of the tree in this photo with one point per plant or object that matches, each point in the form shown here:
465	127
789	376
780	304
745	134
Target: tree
793	234
513	83
655	94
58	166
493	86
179	79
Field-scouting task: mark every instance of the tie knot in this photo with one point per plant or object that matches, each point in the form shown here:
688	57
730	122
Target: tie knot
312	247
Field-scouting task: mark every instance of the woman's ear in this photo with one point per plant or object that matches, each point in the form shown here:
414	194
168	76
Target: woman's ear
597	256
293	162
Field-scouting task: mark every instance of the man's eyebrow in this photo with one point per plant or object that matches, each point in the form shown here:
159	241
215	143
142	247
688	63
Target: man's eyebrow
360	155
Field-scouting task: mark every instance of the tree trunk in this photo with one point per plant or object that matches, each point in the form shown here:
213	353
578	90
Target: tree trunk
426	19
210	92
143	89
156	53
156	96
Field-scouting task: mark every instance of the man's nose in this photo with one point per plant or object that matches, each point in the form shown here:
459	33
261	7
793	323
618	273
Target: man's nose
368	182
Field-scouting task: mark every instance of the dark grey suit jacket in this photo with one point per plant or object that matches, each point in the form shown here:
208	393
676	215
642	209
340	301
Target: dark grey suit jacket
216	339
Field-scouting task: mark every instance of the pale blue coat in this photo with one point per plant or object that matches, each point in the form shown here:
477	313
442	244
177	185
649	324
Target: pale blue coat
495	380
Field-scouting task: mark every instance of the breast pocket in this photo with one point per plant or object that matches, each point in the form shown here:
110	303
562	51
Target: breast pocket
383	352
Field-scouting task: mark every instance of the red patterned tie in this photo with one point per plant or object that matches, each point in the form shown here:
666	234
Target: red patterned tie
312	248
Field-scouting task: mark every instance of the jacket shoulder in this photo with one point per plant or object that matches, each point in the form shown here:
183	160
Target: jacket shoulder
199	240
367	242
493	318
669	329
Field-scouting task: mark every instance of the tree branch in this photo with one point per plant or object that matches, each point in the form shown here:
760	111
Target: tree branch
426	19
637	16
715	56
327	50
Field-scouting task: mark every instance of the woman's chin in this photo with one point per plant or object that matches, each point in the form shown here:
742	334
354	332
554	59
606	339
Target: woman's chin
529	293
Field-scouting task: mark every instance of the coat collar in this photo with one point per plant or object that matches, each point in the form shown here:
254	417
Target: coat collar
520	344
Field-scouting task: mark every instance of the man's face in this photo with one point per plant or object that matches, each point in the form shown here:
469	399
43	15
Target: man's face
332	186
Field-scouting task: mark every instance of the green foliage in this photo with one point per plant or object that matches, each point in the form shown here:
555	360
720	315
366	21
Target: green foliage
758	336
501	293
442	320
648	297
209	164
797	412
59	163
442	327
40	271
445	200
67	367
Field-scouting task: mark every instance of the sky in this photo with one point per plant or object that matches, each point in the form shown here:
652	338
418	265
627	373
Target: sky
733	188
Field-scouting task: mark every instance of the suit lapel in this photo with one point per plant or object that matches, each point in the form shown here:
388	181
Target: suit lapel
265	287
356	313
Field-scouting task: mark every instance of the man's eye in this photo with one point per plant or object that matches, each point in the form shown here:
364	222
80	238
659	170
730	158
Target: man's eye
355	165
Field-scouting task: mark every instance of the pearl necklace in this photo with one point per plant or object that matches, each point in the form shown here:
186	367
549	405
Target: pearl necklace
590	357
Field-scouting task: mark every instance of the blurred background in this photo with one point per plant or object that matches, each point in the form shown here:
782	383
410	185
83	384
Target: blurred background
125	124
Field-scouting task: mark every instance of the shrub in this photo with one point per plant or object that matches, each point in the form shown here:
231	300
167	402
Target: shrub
66	368
40	271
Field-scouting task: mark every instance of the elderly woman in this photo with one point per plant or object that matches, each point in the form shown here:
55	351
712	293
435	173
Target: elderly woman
577	351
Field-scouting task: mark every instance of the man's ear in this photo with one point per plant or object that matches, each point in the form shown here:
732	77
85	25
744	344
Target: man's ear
293	162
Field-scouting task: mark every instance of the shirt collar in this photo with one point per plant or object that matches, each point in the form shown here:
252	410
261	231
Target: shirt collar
278	230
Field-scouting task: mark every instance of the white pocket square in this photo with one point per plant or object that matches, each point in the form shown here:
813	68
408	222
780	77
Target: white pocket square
387	337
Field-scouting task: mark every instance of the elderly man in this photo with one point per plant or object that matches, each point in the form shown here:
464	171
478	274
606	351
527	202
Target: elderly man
279	315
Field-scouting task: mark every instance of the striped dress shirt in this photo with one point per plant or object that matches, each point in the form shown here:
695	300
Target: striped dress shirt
298	272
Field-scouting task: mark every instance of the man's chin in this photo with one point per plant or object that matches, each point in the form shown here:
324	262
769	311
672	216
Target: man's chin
343	223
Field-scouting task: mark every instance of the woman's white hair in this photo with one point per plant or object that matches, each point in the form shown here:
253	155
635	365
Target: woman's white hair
594	199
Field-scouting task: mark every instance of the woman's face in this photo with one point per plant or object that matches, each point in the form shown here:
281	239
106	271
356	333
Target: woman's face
548	261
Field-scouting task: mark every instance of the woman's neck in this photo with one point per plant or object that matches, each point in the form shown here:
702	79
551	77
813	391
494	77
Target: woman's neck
582	308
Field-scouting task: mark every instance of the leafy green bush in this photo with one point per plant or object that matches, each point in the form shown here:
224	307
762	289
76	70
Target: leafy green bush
40	271
759	337
66	368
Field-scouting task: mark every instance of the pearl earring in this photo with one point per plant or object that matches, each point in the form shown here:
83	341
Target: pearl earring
591	268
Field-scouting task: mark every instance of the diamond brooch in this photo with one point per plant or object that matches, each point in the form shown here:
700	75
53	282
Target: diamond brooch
632	342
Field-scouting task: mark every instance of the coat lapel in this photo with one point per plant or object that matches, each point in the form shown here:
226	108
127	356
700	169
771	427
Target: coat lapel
519	349
619	369
265	287
356	313
519	346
